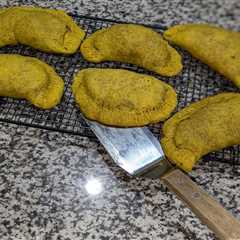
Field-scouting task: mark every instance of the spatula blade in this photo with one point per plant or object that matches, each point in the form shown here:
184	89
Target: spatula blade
135	150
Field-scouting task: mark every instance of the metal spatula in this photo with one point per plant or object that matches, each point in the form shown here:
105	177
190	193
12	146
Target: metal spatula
139	153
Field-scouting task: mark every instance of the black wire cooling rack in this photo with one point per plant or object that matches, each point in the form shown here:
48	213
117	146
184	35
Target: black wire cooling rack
195	82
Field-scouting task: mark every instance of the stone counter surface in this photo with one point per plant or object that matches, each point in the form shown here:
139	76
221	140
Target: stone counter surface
56	186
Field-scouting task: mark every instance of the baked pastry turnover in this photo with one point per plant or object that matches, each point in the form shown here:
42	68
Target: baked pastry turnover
217	47
205	126
131	43
31	79
122	98
45	29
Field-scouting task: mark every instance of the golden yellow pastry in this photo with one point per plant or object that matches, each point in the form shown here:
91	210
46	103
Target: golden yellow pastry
122	98
217	47
205	126
31	79
131	43
45	29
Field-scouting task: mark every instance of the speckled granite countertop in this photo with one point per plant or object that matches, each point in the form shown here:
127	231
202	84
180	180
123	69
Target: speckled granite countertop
57	186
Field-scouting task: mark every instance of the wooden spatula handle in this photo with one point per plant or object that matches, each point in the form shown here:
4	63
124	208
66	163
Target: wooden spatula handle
208	210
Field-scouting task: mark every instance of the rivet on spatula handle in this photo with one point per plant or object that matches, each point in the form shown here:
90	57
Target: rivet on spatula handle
208	210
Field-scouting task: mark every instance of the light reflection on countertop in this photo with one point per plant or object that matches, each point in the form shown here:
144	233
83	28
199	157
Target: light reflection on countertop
94	186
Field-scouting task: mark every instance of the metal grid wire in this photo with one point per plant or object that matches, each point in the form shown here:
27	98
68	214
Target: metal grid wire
195	82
